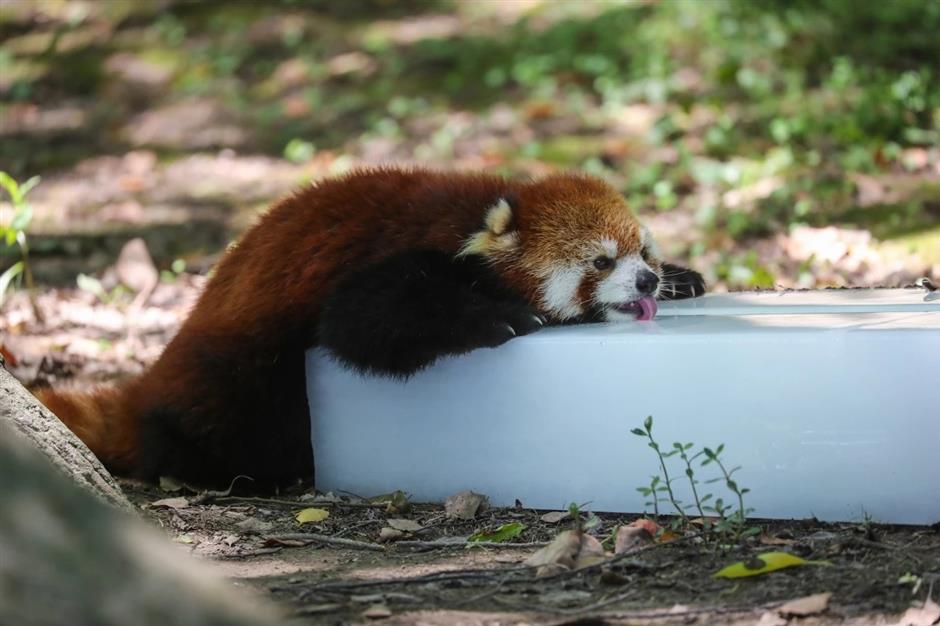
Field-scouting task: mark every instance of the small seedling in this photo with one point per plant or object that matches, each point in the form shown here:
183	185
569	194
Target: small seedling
730	523
666	480
733	523
591	521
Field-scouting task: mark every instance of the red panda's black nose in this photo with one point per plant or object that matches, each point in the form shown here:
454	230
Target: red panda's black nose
646	282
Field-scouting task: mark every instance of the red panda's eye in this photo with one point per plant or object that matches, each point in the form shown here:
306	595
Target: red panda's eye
603	262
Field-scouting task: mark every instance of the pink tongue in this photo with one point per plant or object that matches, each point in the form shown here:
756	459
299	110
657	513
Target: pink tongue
648	308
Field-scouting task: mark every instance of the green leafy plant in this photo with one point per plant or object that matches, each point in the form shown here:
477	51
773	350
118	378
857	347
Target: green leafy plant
733	522
13	230
730	523
665	480
501	534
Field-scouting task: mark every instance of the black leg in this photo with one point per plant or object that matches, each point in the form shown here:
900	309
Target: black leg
679	283
401	314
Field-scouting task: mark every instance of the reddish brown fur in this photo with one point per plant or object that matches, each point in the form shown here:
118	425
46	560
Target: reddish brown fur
244	339
101	420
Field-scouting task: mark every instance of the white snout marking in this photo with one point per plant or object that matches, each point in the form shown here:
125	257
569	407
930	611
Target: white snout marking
619	286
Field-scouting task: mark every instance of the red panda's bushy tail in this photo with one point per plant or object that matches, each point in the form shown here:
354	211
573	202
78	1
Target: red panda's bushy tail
102	419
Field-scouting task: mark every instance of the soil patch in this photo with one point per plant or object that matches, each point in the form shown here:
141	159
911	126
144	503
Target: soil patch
872	571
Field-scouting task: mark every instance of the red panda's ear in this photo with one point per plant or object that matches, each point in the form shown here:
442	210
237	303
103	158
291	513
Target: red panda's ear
497	237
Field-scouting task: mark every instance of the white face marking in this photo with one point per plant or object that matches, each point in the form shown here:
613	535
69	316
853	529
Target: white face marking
560	292
609	246
613	315
619	286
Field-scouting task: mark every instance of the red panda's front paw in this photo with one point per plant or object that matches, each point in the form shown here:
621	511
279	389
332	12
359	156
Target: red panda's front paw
679	283
504	324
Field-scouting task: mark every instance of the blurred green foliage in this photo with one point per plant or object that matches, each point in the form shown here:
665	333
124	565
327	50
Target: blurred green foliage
796	95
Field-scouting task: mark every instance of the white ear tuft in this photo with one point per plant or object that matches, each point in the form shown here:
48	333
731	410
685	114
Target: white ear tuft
497	236
498	217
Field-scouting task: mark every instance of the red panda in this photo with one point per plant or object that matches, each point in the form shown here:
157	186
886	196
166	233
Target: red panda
389	269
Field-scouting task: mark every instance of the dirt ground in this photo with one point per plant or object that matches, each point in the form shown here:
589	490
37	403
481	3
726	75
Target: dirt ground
873	572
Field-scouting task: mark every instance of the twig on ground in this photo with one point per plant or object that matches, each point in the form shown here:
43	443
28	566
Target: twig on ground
353	527
292	503
334	541
440	545
203	497
412	544
250	553
449	575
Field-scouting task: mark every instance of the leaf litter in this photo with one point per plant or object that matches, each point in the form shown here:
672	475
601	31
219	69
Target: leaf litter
584	573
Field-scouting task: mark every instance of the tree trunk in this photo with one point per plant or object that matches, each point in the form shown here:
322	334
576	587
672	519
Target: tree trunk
67	558
45	432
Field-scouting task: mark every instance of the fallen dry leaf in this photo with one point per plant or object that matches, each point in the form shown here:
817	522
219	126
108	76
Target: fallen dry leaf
630	538
560	551
406	525
323	498
808	605
465	505
660	534
571	549
764	564
377	611
553	517
390	534
591	552
769	618
253	525
170	503
308	516
926	615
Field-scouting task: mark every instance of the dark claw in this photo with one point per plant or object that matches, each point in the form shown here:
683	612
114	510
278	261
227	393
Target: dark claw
679	283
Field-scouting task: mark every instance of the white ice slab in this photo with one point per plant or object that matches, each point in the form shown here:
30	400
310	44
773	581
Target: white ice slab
830	401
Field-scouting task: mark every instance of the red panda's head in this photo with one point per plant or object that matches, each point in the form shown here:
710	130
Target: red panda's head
571	244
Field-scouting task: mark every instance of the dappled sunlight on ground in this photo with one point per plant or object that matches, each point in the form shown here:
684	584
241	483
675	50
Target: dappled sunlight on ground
208	114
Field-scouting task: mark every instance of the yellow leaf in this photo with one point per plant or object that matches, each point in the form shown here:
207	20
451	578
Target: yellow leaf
312	515
763	564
